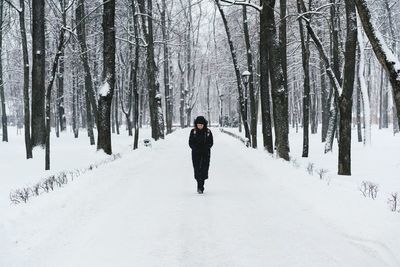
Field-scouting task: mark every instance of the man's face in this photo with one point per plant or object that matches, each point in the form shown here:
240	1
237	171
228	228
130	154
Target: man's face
200	126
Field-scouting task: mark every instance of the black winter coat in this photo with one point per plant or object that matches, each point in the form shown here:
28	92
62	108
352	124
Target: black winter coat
200	141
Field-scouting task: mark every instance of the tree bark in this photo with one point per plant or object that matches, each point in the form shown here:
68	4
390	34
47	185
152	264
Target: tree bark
346	98
305	48
253	116
388	61
60	48
38	73
107	90
151	67
81	34
27	119
264	85
168	97
279	93
237	72
2	98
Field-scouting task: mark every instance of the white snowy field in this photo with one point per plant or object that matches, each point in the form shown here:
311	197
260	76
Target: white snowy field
143	209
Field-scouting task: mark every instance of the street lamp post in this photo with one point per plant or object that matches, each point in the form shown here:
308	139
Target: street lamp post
245	77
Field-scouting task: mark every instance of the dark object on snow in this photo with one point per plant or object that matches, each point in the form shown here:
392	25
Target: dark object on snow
201	141
147	142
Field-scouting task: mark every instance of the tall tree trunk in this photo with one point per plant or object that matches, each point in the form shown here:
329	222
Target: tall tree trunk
364	89
182	93
279	93
2	98
116	109
237	72
58	53
333	96
324	101
81	34
283	41
264	84
388	61
107	90
305	48
345	99
393	47
38	73
253	116
27	116
75	120
134	77
89	118
60	91
168	97
358	111
151	67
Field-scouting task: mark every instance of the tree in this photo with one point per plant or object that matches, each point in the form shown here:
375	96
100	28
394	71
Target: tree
107	89
385	57
305	48
278	91
346	98
2	98
38	73
253	117
91	106
147	19
237	72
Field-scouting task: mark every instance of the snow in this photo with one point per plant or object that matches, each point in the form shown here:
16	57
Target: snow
105	89
143	209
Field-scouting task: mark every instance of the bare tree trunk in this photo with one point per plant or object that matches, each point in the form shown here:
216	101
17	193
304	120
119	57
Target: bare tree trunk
392	33
358	111
182	93
116	110
346	98
364	88
305	48
60	48
81	34
75	120
237	72
324	101
60	91
388	61
38	73
27	126
107	90
168	97
253	116
264	85
135	68
279	93
2	98
333	96
151	67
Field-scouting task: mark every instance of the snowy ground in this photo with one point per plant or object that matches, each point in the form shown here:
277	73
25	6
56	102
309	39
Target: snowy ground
143	209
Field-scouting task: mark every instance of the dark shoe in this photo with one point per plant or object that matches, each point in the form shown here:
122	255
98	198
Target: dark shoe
199	191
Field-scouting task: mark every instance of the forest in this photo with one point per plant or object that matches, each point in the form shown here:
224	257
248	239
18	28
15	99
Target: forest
100	67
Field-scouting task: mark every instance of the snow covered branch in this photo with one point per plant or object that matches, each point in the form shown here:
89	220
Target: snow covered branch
243	3
388	60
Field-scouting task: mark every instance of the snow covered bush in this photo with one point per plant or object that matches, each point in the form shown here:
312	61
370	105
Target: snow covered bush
57	180
369	189
393	201
321	173
310	168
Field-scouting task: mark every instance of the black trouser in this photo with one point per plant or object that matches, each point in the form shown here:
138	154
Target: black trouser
201	163
200	184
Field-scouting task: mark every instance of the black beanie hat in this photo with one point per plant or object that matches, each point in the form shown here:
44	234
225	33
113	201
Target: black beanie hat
200	120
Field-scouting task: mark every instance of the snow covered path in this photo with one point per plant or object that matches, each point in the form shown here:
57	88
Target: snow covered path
143	210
